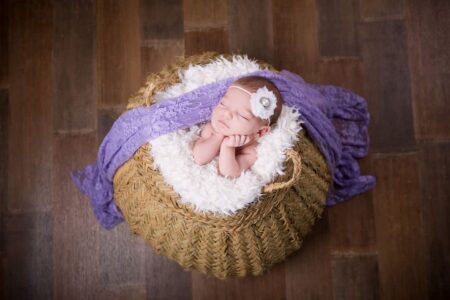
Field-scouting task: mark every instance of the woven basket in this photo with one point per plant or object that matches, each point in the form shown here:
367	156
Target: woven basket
246	243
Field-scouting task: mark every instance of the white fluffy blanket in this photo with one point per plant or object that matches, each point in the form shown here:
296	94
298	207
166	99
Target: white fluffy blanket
202	186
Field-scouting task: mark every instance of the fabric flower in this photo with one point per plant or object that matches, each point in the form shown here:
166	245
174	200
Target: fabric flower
263	103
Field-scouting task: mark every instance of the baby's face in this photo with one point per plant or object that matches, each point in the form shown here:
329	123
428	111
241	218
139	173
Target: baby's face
233	115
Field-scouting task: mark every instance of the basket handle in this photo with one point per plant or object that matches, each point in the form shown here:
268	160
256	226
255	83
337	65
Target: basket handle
296	160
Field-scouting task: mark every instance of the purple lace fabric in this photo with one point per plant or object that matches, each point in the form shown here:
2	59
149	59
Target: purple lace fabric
335	118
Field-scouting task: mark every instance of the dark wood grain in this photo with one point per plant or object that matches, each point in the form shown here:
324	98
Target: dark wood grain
399	227
4	83
29	253
75	234
74	65
161	19
105	119
250	26
434	162
269	286
155	54
3	164
428	25
165	279
118	51
337	27
3	188
388	86
4	276
127	251
124	293
4	65
346	72
295	37
308	271
355	276
215	39
372	10
352	222
204	14
30	106
352	226
205	26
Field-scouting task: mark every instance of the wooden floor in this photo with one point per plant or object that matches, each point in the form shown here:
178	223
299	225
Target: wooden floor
67	69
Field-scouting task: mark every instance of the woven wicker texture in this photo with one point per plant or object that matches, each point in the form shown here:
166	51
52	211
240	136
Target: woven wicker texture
246	243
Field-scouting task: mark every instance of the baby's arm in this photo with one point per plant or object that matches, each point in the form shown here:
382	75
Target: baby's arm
207	146
233	165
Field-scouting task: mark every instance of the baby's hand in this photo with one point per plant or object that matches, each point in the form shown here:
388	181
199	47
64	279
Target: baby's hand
237	140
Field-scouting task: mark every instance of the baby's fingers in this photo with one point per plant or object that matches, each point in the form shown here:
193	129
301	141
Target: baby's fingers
232	141
238	141
244	140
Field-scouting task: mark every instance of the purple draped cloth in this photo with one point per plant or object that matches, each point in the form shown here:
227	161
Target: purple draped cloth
335	118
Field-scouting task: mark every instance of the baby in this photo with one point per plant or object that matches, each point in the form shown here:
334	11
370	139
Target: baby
245	113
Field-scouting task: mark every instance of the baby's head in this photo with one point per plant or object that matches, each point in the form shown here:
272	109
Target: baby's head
234	115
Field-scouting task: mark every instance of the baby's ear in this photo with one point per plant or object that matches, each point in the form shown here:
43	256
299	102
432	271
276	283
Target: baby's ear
263	130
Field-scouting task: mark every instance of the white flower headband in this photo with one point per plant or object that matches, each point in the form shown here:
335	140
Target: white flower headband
263	102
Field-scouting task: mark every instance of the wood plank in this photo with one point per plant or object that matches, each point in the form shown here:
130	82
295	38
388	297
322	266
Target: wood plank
3	189
29	223
125	278
308	271
158	53
123	293
337	28
268	286
434	162
295	37
388	86
428	24
161	20
215	39
4	276
75	234
355	276
204	14
352	224
376	10
106	118
165	278
74	65
346	72
29	251
399	227
127	252
118	51
250	28
3	165
4	65
30	106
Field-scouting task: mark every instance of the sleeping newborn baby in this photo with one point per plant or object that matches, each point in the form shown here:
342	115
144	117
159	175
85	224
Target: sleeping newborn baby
245	113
